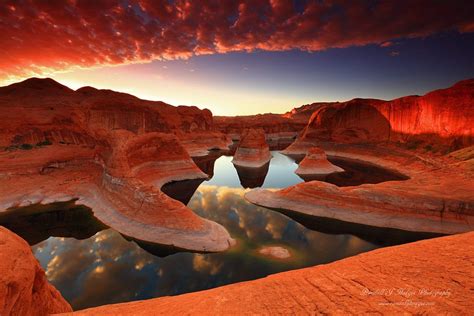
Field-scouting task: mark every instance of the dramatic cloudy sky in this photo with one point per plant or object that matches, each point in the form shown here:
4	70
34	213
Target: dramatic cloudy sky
241	57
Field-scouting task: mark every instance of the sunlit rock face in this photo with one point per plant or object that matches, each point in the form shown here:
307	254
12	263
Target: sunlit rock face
24	289
253	150
441	119
316	164
410	136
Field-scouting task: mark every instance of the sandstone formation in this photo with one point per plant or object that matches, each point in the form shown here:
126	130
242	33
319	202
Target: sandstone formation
24	289
438	197
109	151
316	164
253	150
440	120
277	127
410	136
432	277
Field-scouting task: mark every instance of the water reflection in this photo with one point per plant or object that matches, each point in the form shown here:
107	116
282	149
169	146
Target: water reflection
37	222
107	268
252	177
280	173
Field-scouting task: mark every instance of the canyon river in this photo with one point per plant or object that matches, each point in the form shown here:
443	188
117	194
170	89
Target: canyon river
91	264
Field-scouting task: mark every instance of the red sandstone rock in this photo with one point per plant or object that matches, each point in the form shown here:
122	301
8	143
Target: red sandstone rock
41	109
432	277
111	151
316	164
253	150
24	289
438	197
439	118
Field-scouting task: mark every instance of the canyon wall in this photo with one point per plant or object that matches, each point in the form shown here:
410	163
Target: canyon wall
441	119
38	110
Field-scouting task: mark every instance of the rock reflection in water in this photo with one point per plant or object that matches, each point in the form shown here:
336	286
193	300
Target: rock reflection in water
38	222
181	190
355	172
252	177
107	268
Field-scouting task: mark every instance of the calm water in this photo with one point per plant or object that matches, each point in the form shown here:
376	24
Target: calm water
92	265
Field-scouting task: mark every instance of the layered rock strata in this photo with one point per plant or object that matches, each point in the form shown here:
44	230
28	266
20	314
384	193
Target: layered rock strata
394	281
438	121
316	164
24	289
438	197
253	150
109	151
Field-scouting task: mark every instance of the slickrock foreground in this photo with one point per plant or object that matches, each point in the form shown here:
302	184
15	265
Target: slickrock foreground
24	289
253	150
432	277
316	163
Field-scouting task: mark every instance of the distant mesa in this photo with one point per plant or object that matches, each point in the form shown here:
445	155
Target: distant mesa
316	164
253	150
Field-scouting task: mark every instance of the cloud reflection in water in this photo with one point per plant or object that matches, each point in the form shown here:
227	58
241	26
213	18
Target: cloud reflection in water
106	268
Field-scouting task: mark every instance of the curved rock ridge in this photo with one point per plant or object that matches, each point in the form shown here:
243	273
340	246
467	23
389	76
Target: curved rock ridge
393	281
438	197
439	120
120	182
253	150
315	163
24	289
109	151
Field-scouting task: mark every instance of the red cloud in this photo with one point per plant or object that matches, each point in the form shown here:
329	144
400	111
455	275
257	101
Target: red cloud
42	36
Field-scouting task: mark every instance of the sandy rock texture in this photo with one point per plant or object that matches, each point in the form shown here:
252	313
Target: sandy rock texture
253	150
316	163
432	277
111	152
440	120
438	197
24	289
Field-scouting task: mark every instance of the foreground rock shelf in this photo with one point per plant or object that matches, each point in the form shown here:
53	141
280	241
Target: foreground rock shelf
431	277
24	289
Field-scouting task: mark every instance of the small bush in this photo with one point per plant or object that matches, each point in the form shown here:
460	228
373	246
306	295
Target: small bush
44	143
26	146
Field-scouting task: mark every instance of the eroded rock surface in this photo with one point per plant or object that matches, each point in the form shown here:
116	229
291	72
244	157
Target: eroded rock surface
432	277
438	197
316	163
110	151
24	289
440	120
253	150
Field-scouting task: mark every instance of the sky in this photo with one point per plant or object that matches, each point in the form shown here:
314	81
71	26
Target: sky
241	57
